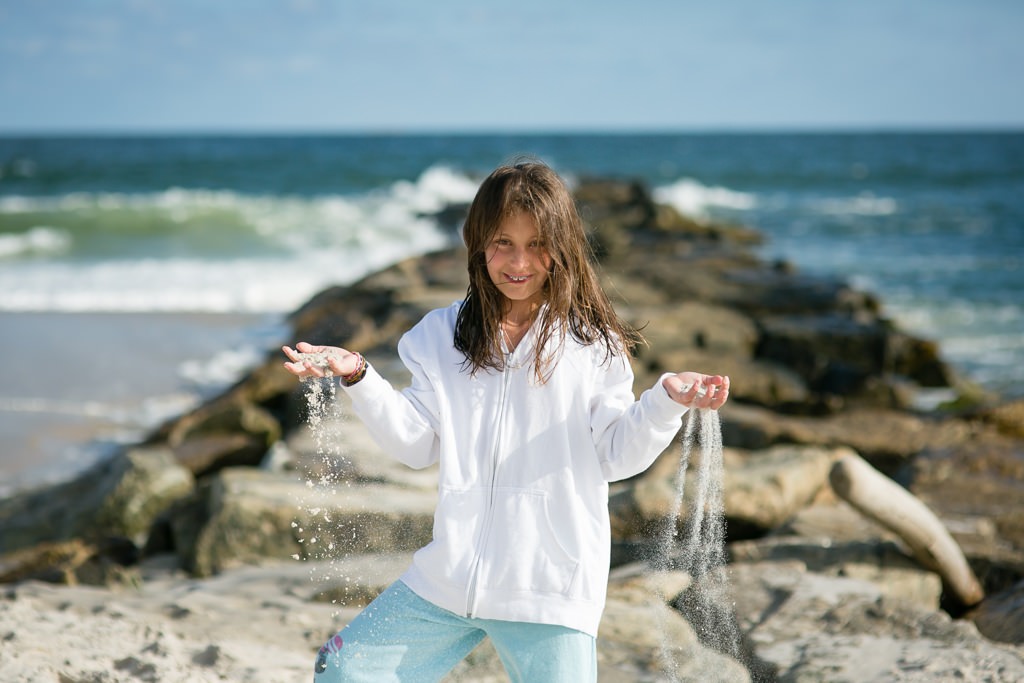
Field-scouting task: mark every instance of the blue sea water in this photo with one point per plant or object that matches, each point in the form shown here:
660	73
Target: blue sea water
254	225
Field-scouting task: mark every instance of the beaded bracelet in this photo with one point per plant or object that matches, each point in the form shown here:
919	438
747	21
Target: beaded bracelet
357	374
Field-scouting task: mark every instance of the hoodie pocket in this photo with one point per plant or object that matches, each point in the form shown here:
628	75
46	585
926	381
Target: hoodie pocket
457	525
523	551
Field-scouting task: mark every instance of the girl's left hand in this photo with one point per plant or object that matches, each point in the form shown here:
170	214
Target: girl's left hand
686	387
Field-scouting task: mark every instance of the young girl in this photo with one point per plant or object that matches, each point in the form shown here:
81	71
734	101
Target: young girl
523	394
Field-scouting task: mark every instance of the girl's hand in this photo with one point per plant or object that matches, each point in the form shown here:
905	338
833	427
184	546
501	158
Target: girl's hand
340	361
687	387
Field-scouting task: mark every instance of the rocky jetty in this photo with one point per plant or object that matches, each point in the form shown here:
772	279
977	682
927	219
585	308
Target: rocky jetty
869	538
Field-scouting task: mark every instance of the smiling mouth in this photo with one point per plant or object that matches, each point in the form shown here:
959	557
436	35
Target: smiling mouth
517	278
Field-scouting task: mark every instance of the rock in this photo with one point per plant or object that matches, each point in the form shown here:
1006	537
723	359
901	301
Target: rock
72	562
888	439
761	490
754	428
976	487
227	432
764	490
638	582
253	515
641	636
763	292
1001	616
642	642
343	449
1007	418
756	382
119	497
810	627
879	562
695	325
622	214
828	516
837	354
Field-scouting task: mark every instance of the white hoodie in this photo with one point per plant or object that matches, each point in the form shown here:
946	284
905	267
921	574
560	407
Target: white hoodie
521	529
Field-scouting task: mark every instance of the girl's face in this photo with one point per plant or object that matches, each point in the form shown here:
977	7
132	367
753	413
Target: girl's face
517	260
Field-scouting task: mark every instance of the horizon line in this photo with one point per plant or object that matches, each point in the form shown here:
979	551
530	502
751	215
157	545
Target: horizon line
469	131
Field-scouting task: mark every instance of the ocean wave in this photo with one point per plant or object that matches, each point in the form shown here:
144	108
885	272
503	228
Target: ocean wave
695	199
212	250
860	205
37	240
223	368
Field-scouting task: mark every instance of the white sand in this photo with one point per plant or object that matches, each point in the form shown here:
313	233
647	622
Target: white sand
250	624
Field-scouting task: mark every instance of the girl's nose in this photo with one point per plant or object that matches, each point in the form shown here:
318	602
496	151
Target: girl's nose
519	257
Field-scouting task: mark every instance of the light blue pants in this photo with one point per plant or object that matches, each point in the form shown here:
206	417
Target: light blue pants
402	638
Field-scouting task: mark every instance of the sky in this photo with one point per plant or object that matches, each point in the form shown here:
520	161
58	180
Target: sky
528	65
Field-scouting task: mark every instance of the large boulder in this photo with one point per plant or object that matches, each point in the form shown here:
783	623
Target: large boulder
695	325
888	439
882	563
1008	418
761	491
837	353
248	515
976	486
753	381
229	432
764	490
120	497
1000	617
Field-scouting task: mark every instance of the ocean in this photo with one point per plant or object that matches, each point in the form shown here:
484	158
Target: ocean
139	275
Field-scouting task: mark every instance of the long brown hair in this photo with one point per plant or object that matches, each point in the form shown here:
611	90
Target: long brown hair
576	303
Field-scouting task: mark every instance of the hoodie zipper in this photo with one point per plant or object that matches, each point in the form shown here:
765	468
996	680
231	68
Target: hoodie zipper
488	517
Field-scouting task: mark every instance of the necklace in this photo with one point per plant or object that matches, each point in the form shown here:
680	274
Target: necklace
514	331
511	343
518	332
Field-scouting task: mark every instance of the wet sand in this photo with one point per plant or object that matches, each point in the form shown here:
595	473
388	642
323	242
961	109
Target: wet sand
74	385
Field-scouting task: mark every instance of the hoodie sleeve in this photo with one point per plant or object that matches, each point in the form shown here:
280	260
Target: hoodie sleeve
403	423
630	434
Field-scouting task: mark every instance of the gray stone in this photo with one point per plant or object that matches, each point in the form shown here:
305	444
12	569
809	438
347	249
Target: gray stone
252	515
810	627
695	325
118	497
762	490
765	489
752	381
1001	616
882	563
888	439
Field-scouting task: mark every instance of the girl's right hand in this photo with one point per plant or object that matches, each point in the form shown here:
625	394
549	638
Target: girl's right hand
341	361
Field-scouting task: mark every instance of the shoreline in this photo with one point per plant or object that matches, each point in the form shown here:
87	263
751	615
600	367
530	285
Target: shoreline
81	384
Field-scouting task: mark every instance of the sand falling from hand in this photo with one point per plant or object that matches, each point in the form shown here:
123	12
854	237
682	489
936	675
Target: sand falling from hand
699	547
323	539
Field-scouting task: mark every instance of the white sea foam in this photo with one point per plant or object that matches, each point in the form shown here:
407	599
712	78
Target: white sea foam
131	415
222	368
860	205
436	188
288	247
34	241
695	199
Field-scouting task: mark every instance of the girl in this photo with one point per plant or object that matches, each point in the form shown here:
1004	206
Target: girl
522	393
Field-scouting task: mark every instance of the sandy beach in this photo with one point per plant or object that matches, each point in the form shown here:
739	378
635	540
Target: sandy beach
247	625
